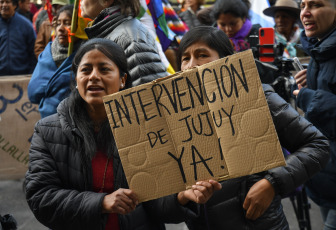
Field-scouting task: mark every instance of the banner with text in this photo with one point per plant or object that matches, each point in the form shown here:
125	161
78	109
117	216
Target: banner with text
208	122
17	119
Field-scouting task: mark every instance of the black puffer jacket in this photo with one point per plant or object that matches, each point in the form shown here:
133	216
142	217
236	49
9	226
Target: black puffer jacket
59	181
309	150
143	58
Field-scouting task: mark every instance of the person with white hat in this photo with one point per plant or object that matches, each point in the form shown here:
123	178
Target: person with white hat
286	13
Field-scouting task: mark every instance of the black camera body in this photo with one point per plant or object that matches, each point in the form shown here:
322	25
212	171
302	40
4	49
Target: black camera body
277	73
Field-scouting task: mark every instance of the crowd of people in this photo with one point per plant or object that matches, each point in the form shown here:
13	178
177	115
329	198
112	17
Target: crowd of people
75	178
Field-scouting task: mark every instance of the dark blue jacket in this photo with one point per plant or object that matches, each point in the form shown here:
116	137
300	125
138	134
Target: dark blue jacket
17	39
318	101
50	84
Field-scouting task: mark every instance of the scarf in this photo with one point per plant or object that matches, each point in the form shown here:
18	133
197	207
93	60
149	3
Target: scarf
238	39
107	20
59	53
290	50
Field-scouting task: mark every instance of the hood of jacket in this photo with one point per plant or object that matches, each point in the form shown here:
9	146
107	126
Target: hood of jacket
107	20
320	50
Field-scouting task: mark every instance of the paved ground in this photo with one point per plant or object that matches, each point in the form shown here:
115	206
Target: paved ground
12	201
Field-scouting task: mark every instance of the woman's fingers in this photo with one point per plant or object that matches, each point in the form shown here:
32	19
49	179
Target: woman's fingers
121	201
301	77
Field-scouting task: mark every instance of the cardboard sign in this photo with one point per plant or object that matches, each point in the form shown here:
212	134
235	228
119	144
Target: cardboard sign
208	122
17	119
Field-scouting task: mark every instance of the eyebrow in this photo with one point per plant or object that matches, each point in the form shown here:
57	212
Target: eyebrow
90	64
197	50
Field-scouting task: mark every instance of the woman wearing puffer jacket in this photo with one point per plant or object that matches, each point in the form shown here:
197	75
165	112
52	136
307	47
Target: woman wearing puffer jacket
114	20
316	96
254	201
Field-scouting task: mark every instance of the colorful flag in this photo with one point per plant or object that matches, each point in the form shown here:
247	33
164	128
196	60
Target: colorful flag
173	21
48	8
81	25
155	10
257	15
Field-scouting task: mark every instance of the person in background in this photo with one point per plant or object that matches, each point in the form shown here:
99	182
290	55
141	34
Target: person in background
39	17
316	95
189	15
50	81
24	9
205	16
286	13
17	38
75	179
33	8
232	17
45	31
114	20
254	201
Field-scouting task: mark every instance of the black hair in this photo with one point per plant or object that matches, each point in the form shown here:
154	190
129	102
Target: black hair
67	8
15	3
110	49
128	7
216	39
238	8
104	138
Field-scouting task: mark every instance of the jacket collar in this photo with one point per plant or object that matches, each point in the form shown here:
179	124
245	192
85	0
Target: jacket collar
106	22
323	49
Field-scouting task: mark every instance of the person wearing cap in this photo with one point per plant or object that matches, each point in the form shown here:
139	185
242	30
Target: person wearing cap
286	13
17	38
316	96
46	31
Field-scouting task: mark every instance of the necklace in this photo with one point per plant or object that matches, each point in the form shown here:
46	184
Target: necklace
103	184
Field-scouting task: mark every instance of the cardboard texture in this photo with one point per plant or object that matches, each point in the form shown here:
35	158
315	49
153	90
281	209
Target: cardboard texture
17	119
211	121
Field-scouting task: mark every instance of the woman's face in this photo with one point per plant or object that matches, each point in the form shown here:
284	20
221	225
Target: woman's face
63	24
230	24
97	76
284	22
92	8
197	54
318	17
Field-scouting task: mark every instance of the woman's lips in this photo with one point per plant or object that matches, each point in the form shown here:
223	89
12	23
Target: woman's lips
309	25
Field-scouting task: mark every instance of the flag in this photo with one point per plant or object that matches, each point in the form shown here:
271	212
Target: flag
48	8
173	21
257	15
154	9
160	33
81	25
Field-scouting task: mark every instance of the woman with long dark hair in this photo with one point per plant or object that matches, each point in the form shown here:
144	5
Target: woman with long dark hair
75	178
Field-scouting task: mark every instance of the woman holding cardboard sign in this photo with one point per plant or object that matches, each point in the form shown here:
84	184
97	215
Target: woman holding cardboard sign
254	202
75	179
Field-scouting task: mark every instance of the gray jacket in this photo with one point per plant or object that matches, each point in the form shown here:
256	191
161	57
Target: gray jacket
143	58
